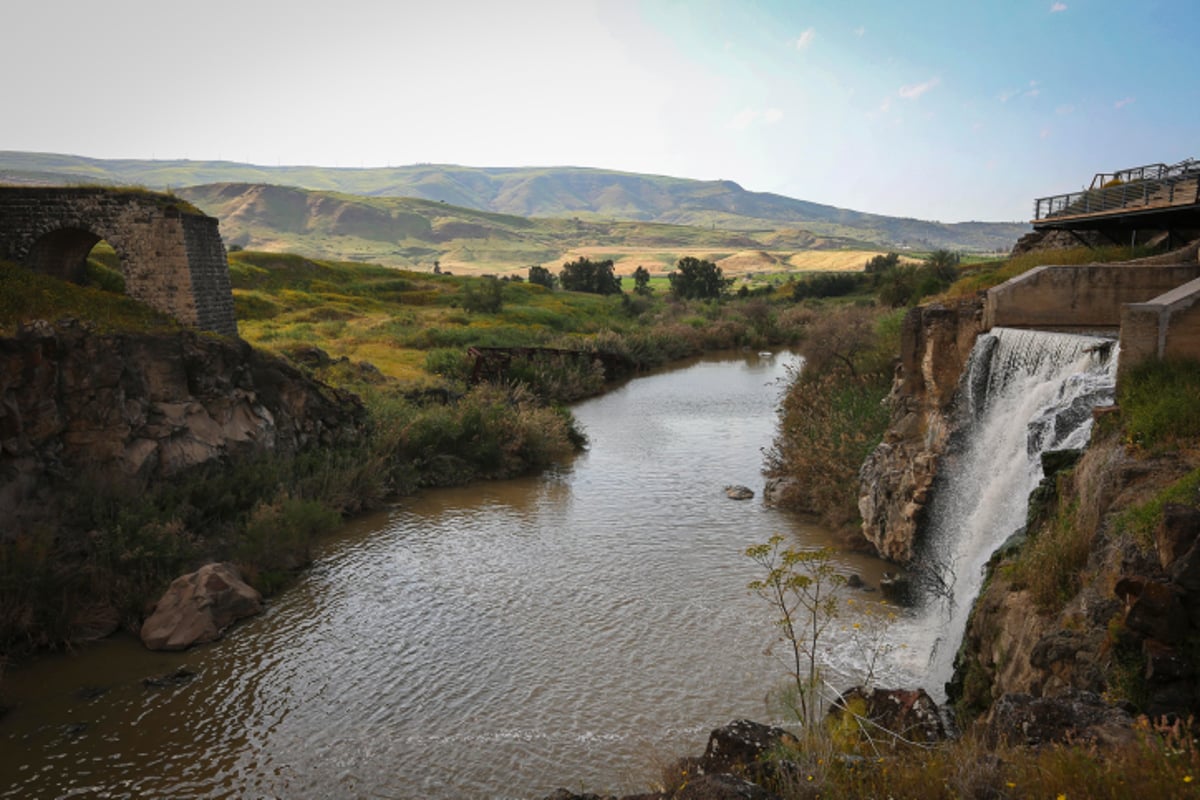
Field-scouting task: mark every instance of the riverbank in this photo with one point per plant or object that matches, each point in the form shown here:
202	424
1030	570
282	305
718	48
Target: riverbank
76	564
472	642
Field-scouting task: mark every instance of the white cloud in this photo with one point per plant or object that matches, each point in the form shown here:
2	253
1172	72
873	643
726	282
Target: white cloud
1124	101
772	115
1045	133
806	39
915	90
859	31
1057	7
1064	110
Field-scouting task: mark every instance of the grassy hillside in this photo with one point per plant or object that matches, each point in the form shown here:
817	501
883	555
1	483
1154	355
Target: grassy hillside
541	192
413	233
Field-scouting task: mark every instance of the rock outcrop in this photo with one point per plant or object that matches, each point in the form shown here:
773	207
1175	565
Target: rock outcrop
198	607
907	715
77	404
1126	630
896	480
727	770
1074	717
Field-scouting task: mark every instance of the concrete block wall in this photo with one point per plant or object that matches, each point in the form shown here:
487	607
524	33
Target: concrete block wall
1168	326
1083	297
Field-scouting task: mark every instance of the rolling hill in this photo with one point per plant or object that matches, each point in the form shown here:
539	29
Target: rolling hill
414	233
543	192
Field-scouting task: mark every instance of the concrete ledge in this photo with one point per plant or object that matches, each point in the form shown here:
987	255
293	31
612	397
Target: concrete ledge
1167	326
1088	296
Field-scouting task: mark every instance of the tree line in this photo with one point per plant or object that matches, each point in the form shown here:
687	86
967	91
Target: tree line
692	278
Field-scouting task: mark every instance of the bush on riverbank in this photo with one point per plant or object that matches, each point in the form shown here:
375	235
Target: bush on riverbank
1161	761
833	414
117	544
120	542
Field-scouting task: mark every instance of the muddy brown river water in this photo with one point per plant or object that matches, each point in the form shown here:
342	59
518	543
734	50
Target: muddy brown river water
578	629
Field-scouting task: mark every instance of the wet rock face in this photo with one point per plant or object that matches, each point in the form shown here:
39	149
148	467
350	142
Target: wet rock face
198	607
146	406
896	480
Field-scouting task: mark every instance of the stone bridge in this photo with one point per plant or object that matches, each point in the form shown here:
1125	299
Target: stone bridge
171	254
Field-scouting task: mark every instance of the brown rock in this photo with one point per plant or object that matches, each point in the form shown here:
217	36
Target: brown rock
1074	716
1154	611
896	480
739	744
199	607
907	714
1177	532
76	403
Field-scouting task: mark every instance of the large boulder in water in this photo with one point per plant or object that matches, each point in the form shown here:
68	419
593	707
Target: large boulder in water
199	607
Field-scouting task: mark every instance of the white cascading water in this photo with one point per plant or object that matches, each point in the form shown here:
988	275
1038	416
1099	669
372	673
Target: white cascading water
1027	392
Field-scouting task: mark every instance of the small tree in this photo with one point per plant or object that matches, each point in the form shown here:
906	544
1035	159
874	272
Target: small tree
641	281
944	265
880	264
542	277
483	295
584	275
695	278
800	586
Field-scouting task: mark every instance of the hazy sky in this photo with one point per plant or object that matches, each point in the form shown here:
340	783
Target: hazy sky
924	108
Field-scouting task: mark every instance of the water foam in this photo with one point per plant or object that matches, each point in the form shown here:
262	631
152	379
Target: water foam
1025	393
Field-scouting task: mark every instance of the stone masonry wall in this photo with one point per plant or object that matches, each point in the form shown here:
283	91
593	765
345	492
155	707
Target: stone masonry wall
211	289
172	257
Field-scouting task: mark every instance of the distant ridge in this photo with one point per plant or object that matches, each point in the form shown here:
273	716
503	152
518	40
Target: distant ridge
555	192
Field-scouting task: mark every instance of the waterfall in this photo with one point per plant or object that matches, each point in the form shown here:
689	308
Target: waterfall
1024	393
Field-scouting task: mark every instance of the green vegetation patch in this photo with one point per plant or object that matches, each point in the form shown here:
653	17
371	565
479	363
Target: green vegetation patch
1051	563
979	276
26	295
1139	522
1160	403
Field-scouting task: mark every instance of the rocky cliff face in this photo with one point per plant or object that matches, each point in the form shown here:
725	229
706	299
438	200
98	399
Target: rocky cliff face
75	403
1124	624
896	480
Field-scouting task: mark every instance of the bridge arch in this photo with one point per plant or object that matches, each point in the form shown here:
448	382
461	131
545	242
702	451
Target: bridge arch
170	254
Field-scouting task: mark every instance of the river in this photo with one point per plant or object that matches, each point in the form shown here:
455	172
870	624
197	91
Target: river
580	629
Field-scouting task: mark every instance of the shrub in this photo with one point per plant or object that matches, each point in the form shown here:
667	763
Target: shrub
1051	563
448	362
833	414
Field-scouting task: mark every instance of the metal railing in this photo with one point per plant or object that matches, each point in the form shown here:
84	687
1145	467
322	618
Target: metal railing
1152	186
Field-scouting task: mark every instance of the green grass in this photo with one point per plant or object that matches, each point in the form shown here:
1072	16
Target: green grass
1139	521
1051	562
981	275
392	317
26	295
1160	403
